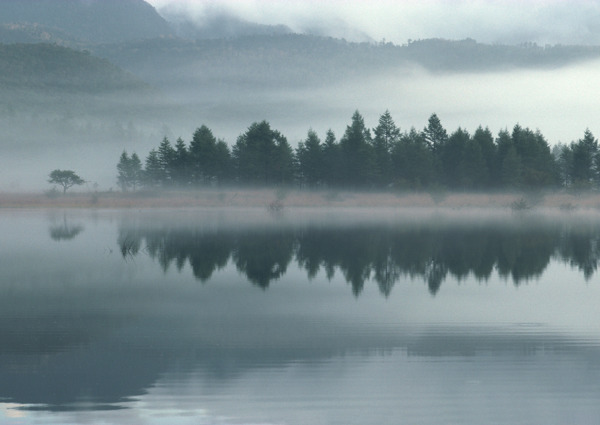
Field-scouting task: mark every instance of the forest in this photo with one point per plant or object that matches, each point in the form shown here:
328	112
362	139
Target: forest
381	158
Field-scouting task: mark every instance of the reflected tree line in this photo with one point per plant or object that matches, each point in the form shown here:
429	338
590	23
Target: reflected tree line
364	254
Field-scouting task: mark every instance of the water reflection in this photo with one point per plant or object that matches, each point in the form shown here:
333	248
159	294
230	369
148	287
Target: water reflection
518	249
90	338
64	231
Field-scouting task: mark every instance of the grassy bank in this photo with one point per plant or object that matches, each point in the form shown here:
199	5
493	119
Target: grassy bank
278	198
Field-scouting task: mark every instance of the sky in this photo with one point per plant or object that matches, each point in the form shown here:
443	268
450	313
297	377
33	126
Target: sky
489	21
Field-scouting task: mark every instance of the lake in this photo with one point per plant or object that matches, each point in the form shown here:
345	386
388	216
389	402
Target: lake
308	316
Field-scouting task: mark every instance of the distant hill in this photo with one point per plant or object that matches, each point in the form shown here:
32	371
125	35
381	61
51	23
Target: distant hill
293	60
83	21
48	68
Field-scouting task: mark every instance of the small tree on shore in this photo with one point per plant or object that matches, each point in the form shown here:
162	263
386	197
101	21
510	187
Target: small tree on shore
65	178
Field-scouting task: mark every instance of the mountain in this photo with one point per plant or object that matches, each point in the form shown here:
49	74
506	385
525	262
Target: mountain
47	68
83	21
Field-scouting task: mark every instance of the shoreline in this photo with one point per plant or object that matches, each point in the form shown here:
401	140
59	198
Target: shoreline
298	198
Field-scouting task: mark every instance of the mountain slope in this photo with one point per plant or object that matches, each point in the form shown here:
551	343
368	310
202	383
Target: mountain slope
88	21
51	68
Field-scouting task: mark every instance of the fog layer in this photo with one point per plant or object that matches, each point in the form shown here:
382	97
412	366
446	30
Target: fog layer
561	103
549	21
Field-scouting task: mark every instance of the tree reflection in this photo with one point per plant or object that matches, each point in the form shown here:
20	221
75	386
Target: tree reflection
381	254
64	231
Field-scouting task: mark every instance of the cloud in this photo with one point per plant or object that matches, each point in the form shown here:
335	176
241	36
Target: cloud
491	21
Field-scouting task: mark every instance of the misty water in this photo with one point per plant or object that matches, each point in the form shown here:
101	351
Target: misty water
347	316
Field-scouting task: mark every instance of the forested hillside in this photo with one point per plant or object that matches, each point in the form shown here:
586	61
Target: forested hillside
88	21
51	68
298	60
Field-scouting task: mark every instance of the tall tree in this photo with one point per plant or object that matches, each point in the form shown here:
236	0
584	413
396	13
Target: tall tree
386	135
412	161
537	163
222	162
203	150
436	137
563	155
263	156
475	173
129	171
451	154
485	140
435	134
166	158
180	171
584	164
331	160
153	171
357	153
310	159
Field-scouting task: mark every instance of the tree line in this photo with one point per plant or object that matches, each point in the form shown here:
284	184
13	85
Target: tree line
380	158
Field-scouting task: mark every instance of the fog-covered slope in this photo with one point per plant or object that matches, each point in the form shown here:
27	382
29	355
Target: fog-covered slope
51	68
88	21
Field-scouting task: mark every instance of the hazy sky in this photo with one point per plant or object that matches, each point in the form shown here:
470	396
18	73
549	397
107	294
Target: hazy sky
491	21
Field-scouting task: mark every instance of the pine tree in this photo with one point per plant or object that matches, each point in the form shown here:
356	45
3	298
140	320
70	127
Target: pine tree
584	165
129	171
331	160
180	171
310	160
357	153
203	149
153	171
166	158
386	135
263	156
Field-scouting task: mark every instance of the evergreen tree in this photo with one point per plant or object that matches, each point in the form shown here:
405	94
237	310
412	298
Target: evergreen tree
451	154
511	169
135	169
386	135
357	153
310	160
584	163
222	163
153	171
123	172
563	155
331	160
263	156
474	167
538	168
129	171
412	161
180	172
436	137
203	151
485	140
166	159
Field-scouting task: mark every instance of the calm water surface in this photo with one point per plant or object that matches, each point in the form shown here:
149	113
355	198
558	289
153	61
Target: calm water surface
309	317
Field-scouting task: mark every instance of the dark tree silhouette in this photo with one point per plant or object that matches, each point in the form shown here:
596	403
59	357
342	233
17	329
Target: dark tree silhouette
65	178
